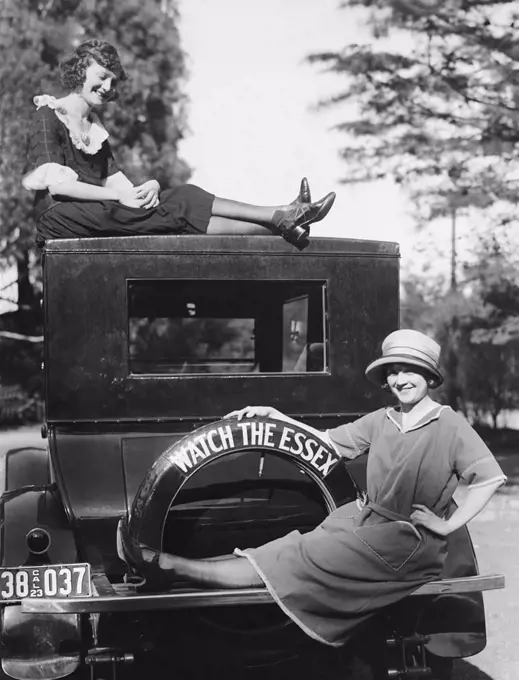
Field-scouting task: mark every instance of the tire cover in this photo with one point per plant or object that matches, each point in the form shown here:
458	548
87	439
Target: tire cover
184	458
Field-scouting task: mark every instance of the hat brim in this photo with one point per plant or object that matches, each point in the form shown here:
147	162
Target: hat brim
375	371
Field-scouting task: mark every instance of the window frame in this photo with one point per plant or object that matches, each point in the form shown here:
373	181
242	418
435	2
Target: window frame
314	286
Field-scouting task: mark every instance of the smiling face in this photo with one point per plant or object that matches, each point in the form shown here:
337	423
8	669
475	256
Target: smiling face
407	383
100	85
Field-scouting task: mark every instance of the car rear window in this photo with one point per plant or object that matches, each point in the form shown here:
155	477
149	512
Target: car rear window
226	327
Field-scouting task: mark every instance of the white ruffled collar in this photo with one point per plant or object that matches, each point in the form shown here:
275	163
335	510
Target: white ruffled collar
89	143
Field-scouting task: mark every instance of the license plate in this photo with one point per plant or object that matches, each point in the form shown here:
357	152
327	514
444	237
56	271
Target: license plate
49	580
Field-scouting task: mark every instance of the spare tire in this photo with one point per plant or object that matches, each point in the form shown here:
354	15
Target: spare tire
185	458
254	636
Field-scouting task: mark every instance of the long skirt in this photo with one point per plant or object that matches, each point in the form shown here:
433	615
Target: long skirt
332	579
184	210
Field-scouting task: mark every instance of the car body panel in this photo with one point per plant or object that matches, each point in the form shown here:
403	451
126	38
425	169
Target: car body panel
90	380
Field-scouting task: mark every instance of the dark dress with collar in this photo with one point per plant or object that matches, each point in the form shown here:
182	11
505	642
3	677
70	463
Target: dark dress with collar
333	578
184	210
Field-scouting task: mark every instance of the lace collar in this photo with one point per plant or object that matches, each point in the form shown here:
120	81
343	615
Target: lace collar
90	142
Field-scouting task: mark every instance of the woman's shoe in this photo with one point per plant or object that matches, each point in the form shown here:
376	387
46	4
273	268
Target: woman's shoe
322	207
150	557
304	195
294	222
157	577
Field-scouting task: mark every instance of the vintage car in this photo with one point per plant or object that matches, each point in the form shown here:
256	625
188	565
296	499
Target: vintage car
149	342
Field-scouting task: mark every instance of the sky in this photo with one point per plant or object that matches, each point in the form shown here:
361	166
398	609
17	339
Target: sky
254	128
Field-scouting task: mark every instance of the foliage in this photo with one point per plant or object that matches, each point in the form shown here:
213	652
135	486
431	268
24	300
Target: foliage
22	73
145	125
477	329
434	100
192	345
17	407
149	119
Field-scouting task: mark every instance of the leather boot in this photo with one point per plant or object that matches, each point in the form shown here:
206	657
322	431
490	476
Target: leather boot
294	221
304	195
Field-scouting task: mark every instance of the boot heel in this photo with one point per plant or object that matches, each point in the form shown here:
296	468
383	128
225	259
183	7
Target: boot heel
298	237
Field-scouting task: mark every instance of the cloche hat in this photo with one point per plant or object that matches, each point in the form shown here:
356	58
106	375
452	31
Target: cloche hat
406	347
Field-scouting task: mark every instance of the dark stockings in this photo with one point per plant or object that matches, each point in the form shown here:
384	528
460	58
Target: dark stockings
233	217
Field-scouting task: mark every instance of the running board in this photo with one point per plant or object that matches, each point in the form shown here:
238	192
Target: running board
121	597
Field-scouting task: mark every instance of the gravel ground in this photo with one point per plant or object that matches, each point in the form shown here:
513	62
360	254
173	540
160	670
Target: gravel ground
495	535
496	539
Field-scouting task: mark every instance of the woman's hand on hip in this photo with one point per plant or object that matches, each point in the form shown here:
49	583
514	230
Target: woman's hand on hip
149	192
251	411
424	517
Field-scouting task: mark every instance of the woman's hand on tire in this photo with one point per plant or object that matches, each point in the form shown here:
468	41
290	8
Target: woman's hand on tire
252	411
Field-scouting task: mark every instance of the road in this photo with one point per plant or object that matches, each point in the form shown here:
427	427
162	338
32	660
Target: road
496	539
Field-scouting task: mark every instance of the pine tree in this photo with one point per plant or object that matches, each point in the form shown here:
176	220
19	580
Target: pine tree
435	100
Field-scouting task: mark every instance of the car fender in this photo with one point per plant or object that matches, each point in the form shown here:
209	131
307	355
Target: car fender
454	623
31	499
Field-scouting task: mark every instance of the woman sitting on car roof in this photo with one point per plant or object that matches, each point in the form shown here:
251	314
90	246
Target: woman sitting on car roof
81	191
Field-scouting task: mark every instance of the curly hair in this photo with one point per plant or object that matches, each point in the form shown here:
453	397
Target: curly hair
73	67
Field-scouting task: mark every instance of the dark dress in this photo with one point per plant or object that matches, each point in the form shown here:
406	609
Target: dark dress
52	150
335	577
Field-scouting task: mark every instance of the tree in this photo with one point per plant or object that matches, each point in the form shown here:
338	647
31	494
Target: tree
149	119
495	337
428	308
478	328
436	100
145	127
22	73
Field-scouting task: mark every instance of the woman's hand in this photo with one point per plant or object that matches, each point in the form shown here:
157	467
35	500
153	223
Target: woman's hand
251	411
149	193
130	198
271	412
422	516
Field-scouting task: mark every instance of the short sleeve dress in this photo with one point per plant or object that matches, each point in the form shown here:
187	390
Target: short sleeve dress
55	154
335	577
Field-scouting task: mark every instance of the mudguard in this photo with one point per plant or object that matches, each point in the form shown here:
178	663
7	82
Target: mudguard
453	623
33	646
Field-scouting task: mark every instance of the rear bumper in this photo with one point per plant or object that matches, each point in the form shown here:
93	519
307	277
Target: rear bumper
126	598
